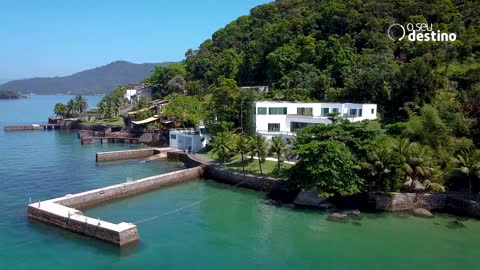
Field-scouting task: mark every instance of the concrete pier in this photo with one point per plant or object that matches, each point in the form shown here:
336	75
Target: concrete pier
62	212
132	154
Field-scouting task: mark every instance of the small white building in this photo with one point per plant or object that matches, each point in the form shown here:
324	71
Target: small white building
130	93
285	118
189	139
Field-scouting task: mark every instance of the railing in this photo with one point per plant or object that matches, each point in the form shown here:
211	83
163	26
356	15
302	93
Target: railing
190	131
276	133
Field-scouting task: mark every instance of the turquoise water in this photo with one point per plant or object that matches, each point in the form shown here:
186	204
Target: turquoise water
232	228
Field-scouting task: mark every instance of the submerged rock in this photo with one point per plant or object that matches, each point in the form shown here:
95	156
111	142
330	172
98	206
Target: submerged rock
337	217
326	206
356	214
422	212
455	224
356	223
309	199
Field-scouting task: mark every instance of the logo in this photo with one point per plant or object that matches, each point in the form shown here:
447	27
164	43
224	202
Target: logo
418	32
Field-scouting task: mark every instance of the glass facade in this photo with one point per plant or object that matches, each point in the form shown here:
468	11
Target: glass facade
352	112
261	110
296	126
305	111
335	110
273	127
282	110
325	111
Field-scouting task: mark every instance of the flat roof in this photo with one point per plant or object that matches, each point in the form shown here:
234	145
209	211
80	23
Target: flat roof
304	102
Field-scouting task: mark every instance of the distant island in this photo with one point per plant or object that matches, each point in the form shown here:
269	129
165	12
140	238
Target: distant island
5	94
100	80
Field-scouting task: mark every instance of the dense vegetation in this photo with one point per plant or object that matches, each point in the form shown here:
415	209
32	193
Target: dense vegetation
99	80
428	93
4	94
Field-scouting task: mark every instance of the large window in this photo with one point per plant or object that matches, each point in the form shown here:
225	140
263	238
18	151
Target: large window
273	127
359	112
261	110
335	110
282	110
352	112
305	111
325	111
296	126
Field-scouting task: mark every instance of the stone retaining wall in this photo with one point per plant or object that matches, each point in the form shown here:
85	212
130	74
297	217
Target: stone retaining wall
127	154
239	179
213	172
464	207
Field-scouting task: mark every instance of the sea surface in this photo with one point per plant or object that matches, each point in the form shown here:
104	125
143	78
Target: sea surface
196	225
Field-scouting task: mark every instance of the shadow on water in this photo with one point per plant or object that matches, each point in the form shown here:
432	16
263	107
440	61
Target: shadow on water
101	247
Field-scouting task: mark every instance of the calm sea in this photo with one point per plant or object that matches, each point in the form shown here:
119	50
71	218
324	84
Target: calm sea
231	229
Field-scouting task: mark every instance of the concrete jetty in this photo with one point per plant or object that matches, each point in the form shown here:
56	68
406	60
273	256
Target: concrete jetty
63	212
150	153
31	127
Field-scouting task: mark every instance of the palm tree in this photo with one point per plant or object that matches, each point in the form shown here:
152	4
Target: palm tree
278	148
81	103
468	163
417	162
222	145
415	159
259	148
379	163
60	109
71	107
242	147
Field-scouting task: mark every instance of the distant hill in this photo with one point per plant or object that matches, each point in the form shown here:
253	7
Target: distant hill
98	80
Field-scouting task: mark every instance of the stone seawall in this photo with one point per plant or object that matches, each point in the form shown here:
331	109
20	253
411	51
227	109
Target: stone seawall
62	211
213	172
239	179
126	154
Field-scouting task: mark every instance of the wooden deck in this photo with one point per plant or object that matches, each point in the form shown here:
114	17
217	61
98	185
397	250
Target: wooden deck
107	139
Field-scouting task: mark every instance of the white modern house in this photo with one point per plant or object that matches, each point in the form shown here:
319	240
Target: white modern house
274	118
189	139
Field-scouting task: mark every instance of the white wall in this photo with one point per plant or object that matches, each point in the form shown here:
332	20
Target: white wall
262	120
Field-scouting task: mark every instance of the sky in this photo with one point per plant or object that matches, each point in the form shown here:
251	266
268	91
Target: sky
46	38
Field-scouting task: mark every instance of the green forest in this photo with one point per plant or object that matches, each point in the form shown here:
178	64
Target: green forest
428	93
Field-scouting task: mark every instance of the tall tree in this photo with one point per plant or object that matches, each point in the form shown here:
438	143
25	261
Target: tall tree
222	145
278	148
81	103
60	109
242	147
259	149
468	163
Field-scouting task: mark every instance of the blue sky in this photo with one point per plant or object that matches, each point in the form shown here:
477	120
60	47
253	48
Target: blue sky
61	37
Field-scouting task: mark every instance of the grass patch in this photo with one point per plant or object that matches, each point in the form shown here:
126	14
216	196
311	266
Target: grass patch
115	121
251	165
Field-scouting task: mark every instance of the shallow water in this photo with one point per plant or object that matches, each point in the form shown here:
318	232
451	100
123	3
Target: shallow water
230	228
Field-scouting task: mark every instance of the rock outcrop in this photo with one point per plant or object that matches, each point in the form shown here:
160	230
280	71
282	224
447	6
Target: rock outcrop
309	199
422	212
395	201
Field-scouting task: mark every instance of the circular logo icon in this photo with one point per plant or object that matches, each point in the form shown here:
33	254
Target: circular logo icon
396	32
